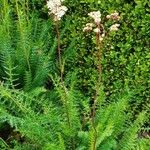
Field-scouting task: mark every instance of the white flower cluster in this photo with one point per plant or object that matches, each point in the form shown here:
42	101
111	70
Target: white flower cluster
114	27
56	8
88	27
114	16
96	25
96	15
99	27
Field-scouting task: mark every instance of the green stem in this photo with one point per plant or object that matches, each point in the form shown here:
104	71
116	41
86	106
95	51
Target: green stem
4	143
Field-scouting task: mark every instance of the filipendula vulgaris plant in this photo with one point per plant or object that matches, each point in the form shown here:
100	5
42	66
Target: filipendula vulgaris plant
57	10
98	27
108	122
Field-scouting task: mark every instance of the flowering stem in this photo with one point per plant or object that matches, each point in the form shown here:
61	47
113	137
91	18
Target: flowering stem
61	72
61	76
99	68
99	58
59	51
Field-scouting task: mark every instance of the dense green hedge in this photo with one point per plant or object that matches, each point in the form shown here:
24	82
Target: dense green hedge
126	57
126	54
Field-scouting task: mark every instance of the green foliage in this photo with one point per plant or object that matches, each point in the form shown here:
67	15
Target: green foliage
24	43
125	54
42	112
46	125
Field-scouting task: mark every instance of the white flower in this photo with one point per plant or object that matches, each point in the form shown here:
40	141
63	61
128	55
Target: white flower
55	7
52	4
96	15
114	16
114	27
101	39
97	30
88	27
108	16
60	12
103	35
